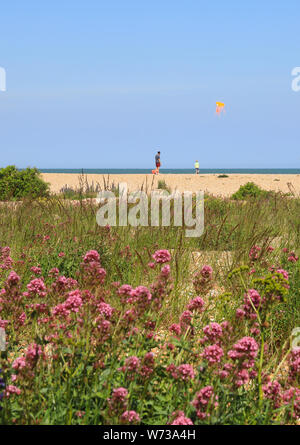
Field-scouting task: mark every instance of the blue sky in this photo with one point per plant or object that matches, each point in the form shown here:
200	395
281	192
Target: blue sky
104	84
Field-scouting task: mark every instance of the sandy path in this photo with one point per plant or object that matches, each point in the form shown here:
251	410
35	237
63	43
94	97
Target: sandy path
183	182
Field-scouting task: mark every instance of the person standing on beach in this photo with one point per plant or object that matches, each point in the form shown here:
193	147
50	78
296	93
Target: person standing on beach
197	167
157	162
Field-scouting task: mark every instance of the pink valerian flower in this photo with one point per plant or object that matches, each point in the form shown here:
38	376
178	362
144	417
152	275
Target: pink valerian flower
184	372
106	310
284	273
151	265
54	272
104	327
255	330
205	399
242	377
118	401
213	331
147	365
270	249
61	254
293	257
131	364
125	289
196	304
91	256
254	253
292	397
213	354
129	316
134	366
94	273
36	287
74	301
243	354
176	329
130	417
60	310
294	365
141	297
13	279
3	323
36	270
22	319
272	391
246	348
29	360
11	389
5	259
161	256
206	271
165	270
252	298
240	313
186	318
179	418
150	324
63	284
202	279
33	352
19	363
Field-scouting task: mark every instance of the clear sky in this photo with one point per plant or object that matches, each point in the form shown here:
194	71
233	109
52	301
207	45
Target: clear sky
106	83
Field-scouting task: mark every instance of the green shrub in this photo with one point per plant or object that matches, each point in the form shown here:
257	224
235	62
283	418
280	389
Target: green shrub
162	185
223	176
250	190
18	184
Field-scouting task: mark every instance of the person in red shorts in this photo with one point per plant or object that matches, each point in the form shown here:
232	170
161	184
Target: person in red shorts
157	162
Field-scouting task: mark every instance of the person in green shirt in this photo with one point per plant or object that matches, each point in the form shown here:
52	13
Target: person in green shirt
197	167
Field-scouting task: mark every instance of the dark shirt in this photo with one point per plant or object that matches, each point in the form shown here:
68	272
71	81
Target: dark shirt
157	158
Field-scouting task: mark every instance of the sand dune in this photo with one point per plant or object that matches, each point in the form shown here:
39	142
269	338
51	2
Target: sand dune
182	182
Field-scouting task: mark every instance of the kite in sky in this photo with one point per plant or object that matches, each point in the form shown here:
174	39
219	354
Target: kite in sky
220	107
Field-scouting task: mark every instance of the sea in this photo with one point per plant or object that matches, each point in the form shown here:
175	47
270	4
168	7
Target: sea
133	171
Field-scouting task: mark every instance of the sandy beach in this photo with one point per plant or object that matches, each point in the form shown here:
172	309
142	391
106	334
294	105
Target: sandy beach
210	183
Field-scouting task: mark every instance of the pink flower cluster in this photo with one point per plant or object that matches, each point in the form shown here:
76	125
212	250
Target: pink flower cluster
93	273
36	287
243	354
254	253
179	418
205	400
251	300
162	256
213	354
130	417
29	360
72	304
202	279
134	366
63	284
272	391
184	372
196	304
6	261
118	401
294	365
